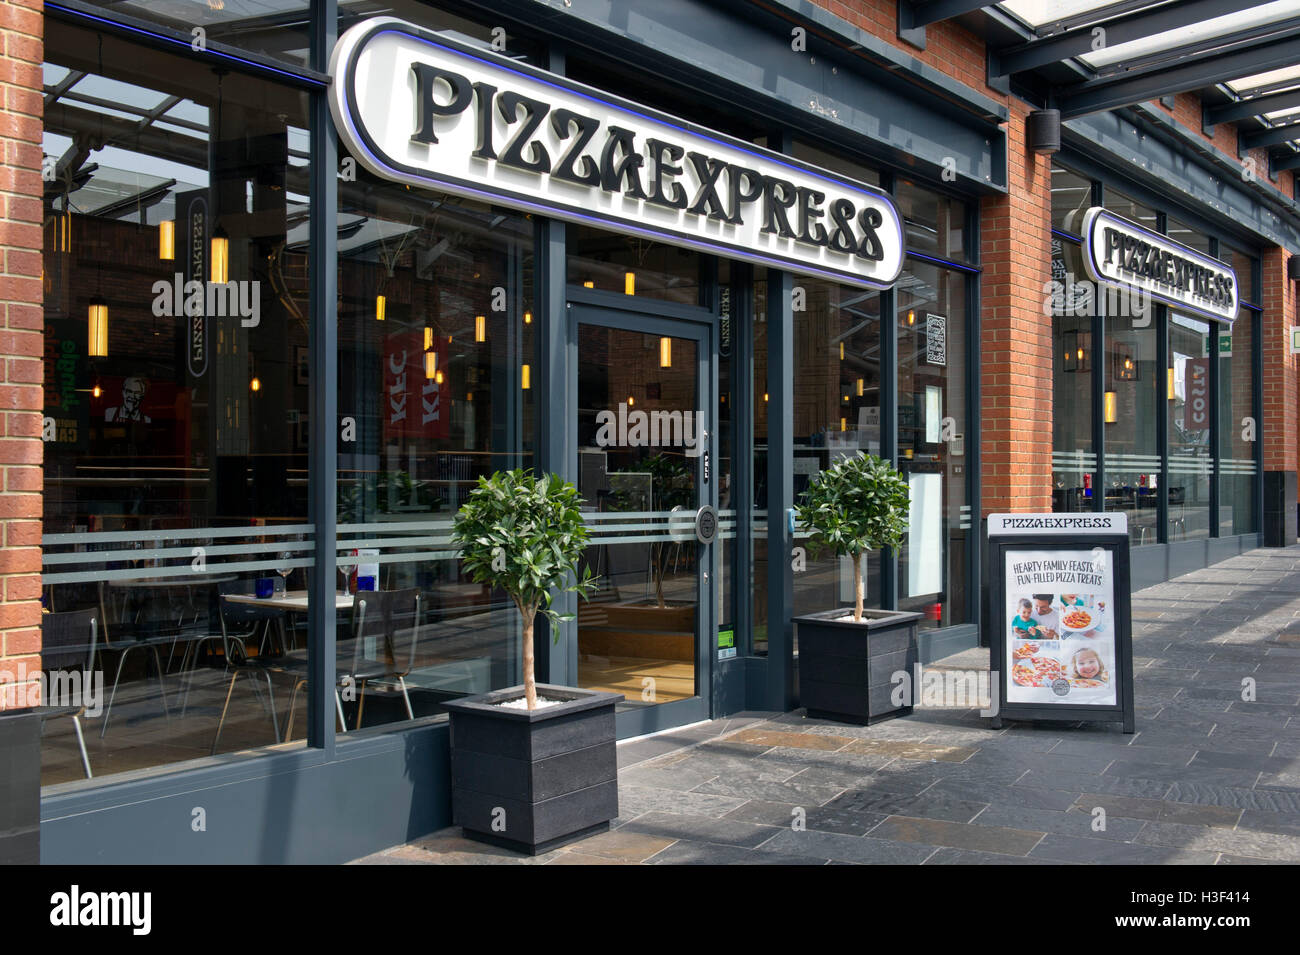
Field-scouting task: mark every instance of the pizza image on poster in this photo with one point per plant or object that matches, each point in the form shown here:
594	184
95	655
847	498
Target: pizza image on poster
1060	645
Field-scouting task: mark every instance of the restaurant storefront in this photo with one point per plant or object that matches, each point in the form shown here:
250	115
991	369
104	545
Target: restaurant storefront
304	284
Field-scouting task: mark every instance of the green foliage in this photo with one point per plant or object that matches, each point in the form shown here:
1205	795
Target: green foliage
526	536
857	505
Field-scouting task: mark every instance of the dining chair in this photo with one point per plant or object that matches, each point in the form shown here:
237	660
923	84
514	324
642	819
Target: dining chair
69	641
121	633
239	624
384	643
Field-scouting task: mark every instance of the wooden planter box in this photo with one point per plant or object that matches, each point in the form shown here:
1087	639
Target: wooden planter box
532	781
846	668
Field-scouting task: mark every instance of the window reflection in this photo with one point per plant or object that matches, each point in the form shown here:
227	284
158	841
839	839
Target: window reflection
175	473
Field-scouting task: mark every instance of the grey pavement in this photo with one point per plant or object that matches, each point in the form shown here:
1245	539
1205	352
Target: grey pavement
1211	777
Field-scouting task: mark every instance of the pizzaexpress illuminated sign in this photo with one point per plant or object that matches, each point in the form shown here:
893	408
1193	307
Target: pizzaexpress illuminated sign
1123	254
419	108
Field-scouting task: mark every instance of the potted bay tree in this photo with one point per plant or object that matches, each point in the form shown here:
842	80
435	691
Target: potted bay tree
533	766
847	658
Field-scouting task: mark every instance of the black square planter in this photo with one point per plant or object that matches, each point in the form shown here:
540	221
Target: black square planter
20	787
534	780
846	668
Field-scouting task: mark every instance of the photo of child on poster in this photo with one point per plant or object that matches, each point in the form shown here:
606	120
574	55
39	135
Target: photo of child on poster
1060	645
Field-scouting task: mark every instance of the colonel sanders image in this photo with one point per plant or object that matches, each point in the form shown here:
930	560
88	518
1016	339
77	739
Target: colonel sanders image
132	406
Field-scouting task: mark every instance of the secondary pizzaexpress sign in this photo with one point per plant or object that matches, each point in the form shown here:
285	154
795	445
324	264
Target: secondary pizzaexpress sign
1103	523
1123	254
419	108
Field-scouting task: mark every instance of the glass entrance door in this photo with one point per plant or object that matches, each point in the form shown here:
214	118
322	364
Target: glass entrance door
643	435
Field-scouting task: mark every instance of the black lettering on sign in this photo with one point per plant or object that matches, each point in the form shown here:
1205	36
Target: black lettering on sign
485	149
562	120
810	210
665	157
535	111
707	202
426	77
621	175
778	196
842	237
741	177
869	247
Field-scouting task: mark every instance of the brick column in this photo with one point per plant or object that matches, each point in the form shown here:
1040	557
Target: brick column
1278	429
1016	337
21	332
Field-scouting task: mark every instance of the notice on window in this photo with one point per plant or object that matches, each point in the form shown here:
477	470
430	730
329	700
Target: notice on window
936	339
1060	644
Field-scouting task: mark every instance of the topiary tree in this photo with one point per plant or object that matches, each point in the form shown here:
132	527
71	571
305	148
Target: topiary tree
525	535
858	504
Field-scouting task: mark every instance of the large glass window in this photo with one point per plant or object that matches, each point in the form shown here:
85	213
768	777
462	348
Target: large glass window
1187	397
934	224
1073	303
1129	409
1238	429
1071	197
758	524
933	430
837	382
436	336
176	402
630	265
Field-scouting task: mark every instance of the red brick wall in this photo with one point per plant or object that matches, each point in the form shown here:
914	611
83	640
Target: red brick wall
1016	337
1280	366
21	332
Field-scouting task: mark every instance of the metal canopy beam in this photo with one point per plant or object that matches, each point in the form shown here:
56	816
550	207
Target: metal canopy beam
1092	96
1246	108
1124	29
1271	137
933	11
1289	162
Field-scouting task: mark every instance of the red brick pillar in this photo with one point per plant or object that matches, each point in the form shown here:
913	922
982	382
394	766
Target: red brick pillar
21	332
1278	429
1016	337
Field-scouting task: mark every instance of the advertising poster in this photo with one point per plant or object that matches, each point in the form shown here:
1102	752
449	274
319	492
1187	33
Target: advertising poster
1060	640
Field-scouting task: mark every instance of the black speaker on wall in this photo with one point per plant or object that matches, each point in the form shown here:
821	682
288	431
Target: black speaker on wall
1293	268
1045	131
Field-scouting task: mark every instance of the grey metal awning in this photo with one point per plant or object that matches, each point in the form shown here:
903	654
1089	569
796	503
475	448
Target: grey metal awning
1086	56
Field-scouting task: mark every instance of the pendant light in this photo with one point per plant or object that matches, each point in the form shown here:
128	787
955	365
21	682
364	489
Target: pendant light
430	365
380	306
167	240
428	337
220	260
98	325
480	328
629	283
528	318
665	352
525	378
1110	407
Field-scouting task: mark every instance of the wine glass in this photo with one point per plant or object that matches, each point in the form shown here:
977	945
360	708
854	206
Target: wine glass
284	568
346	566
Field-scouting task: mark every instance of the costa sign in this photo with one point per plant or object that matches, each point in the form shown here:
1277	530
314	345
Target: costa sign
1124	255
419	108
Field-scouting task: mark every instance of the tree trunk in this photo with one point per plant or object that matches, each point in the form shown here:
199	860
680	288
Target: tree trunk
857	587
530	677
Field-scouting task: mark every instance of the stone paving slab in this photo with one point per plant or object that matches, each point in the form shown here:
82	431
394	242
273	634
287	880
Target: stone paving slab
1209	778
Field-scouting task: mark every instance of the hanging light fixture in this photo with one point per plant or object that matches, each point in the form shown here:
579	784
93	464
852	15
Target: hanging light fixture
1110	407
589	284
525	377
1169	383
167	240
381	306
438	378
528	318
63	229
98	322
665	352
844	424
630	401
96	391
480	328
428	337
911	318
629	283
220	262
860	384
255	384
430	365
841	351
